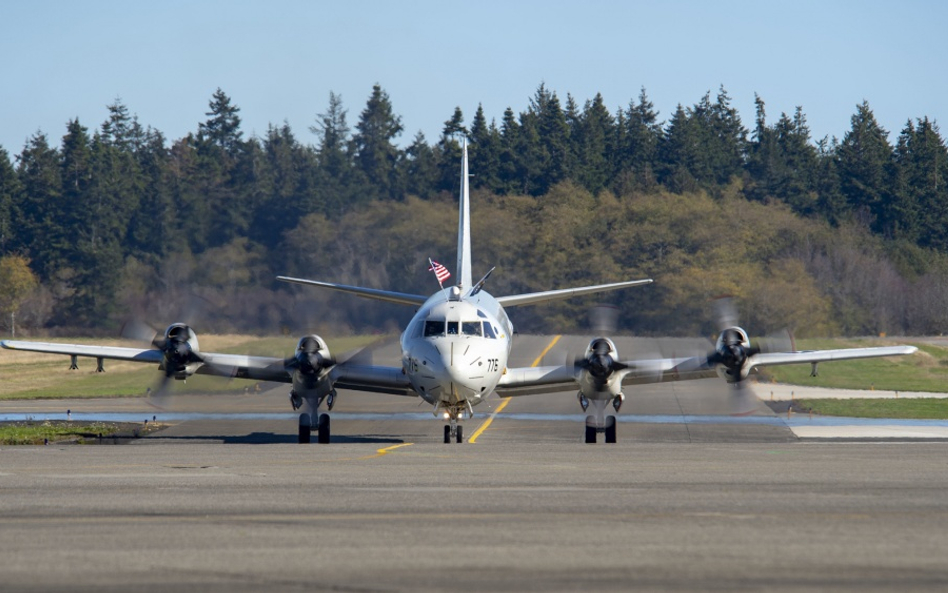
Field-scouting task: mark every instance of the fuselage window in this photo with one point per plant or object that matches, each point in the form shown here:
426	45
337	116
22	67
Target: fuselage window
434	328
489	331
471	328
452	328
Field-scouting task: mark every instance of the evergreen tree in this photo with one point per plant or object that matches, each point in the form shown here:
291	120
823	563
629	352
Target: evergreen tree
287	186
419	169
190	181
679	152
225	172
338	183
43	230
449	151
595	145
222	128
509	165
9	197
485	152
864	162
920	205
376	154
638	135
831	203
152	230
781	162
727	140
551	151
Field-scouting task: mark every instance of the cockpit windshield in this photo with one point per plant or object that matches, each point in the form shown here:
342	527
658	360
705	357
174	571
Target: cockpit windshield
439	327
434	328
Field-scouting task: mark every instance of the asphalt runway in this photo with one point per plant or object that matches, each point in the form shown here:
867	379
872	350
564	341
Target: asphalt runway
234	504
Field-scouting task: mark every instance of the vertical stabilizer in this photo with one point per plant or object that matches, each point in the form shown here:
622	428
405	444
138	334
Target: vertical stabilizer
464	226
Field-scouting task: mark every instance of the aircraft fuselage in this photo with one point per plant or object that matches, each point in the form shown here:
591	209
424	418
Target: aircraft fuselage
455	349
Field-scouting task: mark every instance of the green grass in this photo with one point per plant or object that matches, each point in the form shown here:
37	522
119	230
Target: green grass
41	376
34	433
926	370
903	408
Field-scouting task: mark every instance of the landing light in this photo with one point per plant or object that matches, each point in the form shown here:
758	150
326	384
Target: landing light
446	416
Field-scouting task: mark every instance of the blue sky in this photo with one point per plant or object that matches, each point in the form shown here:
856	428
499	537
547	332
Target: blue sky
278	60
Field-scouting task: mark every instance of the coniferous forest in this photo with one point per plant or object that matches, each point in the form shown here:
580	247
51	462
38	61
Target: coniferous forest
825	236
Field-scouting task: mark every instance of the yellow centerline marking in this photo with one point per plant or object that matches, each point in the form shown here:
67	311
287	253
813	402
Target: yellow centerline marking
504	402
385	451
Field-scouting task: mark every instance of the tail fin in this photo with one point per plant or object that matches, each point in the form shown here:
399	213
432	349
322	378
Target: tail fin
464	227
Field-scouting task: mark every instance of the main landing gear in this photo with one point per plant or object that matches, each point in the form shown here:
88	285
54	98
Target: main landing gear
599	421
322	428
609	429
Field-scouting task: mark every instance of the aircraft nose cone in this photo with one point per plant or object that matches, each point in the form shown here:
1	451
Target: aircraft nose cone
462	370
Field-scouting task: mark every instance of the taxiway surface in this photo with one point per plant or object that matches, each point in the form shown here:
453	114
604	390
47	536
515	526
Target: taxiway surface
234	504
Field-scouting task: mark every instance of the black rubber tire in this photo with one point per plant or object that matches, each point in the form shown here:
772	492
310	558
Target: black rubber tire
447	433
305	429
611	429
460	434
591	434
323	429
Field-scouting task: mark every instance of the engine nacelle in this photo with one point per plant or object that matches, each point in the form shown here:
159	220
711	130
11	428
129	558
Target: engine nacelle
731	351
310	368
312	355
181	351
598	368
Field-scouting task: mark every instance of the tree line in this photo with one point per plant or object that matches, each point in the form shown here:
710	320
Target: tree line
117	219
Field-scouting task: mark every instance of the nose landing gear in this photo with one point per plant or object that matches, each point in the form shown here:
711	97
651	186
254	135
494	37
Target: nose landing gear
453	430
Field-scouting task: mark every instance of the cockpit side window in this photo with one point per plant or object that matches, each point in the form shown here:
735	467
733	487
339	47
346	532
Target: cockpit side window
489	331
471	328
434	328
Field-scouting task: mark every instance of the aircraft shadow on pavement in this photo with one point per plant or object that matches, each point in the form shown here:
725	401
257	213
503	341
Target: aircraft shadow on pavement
269	438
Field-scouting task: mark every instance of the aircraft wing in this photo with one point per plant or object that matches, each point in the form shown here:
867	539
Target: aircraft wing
359	377
537	380
775	358
110	352
261	368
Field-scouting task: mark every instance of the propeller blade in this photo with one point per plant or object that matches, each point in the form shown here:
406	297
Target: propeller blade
725	313
742	401
138	330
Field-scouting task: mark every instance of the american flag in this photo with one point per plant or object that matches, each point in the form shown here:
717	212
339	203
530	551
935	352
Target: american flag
441	272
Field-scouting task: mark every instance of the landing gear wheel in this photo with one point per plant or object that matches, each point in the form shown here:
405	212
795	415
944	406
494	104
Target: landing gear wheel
590	429
323	427
305	429
610	429
460	433
447	433
591	434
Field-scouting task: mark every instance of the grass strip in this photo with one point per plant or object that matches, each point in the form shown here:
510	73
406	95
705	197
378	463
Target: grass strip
914	408
37	433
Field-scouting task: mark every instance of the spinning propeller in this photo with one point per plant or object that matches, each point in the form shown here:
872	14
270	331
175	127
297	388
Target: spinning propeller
733	354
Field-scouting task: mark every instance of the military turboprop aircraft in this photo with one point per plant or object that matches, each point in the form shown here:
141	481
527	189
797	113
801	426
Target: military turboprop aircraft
454	354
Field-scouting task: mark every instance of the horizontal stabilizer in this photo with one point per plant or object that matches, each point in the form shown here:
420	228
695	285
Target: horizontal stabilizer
565	293
400	298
